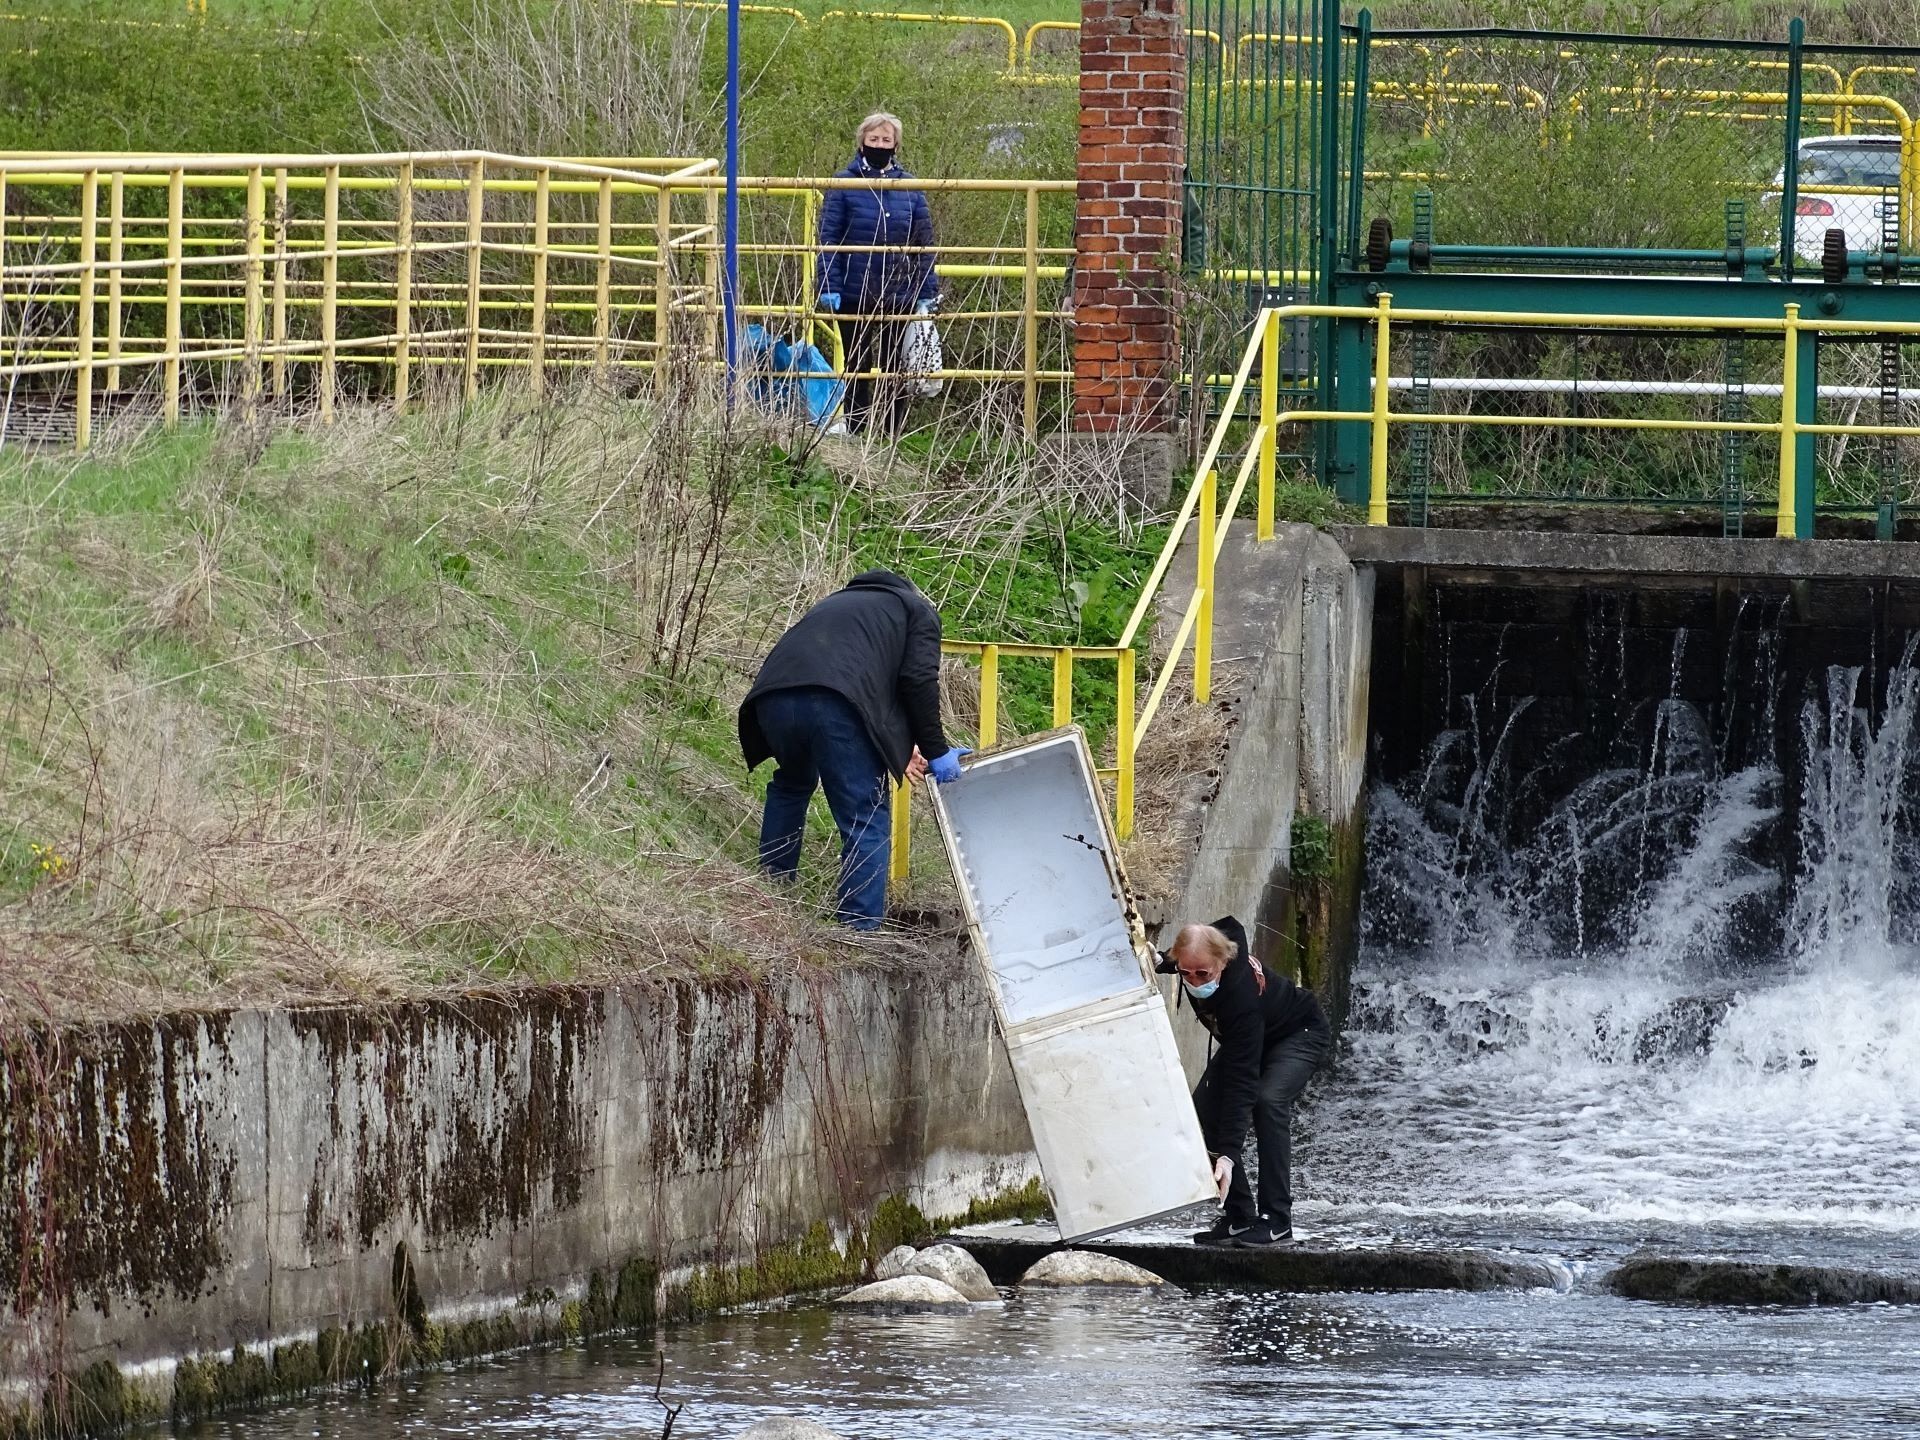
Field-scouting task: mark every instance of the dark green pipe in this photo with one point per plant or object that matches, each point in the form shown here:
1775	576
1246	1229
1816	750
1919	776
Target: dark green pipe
1790	172
1357	157
1752	255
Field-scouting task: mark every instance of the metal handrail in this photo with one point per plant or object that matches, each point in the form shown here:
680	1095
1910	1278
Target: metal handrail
1202	511
642	250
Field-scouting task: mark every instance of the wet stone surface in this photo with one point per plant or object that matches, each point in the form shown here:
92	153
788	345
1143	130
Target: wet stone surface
1732	1282
1292	1268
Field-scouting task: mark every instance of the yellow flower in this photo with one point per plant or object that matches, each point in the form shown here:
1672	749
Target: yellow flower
49	860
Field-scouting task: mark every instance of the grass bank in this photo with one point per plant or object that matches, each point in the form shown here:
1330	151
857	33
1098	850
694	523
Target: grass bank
448	699
525	76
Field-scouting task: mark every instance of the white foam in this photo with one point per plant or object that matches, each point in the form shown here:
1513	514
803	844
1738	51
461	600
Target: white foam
1508	1063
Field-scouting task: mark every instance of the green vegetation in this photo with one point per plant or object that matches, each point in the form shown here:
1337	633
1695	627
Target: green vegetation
348	75
450	698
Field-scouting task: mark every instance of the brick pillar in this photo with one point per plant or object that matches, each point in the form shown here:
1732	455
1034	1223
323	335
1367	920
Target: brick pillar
1133	96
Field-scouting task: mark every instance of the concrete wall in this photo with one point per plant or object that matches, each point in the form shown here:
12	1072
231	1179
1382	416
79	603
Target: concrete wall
1293	637
345	1190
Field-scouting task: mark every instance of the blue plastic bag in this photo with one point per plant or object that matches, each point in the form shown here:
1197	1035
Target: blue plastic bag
785	378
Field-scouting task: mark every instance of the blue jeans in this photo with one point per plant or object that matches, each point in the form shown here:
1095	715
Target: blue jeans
818	739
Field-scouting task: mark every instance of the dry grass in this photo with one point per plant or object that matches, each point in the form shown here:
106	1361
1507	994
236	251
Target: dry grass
438	700
426	701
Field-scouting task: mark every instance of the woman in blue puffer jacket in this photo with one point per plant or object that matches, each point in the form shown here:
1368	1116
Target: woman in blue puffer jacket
876	266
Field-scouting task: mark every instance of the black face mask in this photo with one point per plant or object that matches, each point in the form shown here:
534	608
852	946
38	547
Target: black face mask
876	157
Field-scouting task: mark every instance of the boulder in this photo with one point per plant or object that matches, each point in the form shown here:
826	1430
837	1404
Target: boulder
1087	1267
903	1295
895	1263
1296	1268
1738	1282
955	1266
787	1427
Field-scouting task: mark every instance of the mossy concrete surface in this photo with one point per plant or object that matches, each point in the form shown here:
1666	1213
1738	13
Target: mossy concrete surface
215	1211
1292	648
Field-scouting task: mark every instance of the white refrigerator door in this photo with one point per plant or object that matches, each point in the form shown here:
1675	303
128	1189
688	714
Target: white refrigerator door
1086	1029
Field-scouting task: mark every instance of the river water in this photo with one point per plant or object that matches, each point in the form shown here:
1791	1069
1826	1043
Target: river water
1614	1018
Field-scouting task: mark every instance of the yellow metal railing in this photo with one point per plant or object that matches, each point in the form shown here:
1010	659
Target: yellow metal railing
1204	513
470	260
987	722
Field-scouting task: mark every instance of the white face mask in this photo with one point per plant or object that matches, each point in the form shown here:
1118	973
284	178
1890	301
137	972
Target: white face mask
1201	992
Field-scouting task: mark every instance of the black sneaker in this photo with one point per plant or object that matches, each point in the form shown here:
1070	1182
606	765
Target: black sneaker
1221	1232
1261	1234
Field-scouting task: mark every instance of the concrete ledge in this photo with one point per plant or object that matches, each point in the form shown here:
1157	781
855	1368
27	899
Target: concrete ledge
1639	555
1730	1282
1287	1268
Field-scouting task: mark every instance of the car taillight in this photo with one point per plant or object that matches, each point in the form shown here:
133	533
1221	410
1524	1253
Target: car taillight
1813	207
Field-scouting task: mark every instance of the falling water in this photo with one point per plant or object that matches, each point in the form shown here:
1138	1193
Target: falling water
1669	991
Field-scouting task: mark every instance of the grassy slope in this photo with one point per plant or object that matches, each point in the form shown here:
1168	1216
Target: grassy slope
291	75
290	712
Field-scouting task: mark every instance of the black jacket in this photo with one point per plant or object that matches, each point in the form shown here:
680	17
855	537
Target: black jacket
877	642
1247	1022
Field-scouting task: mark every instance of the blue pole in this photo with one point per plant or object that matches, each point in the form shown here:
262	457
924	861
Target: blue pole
730	276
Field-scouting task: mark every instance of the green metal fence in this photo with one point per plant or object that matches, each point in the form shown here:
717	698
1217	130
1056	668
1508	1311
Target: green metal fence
1494	168
1256	150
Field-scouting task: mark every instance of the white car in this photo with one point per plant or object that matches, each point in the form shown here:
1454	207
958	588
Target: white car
1835	171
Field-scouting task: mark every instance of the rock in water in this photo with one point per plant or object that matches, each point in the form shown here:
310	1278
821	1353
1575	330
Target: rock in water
955	1266
903	1295
1086	1267
895	1263
1736	1282
787	1427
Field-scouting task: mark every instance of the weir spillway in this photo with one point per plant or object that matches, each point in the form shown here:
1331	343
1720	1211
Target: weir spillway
1639	926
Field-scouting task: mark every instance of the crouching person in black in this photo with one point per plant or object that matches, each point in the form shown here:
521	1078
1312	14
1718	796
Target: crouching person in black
1272	1036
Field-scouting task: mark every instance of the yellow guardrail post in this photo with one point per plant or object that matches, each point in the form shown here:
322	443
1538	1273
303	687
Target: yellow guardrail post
1269	411
810	204
253	317
476	240
1030	302
116	252
989	695
176	228
83	321
537	323
1123	744
662	287
900	842
329	293
1377	489
1784	525
994	22
712	253
1203	630
279	311
402	285
603	282
1034	31
1063	686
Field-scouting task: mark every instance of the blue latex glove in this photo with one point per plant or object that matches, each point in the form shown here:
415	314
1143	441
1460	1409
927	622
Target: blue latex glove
830	302
946	769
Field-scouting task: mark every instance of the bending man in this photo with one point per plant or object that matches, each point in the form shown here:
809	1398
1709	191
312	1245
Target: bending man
847	697
1272	1036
